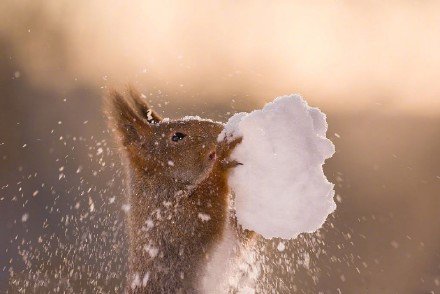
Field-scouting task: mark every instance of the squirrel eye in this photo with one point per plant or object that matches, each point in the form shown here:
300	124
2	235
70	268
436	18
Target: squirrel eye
178	136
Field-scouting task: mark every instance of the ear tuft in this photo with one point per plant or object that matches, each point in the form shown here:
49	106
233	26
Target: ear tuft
123	118
141	106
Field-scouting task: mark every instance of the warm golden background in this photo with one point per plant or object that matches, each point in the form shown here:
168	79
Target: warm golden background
372	66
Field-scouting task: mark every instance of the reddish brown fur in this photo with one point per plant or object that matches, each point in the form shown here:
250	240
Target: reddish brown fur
170	184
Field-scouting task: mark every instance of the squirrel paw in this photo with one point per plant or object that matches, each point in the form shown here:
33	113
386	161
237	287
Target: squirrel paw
224	150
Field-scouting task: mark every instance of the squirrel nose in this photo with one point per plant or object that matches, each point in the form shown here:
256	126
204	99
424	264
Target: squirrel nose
212	155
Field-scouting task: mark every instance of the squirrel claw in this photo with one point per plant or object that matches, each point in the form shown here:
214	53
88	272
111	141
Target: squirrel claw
235	142
230	164
225	148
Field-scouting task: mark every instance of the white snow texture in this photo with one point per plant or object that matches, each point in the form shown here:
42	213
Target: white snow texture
281	190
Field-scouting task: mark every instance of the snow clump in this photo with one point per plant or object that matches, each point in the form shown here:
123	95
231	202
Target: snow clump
280	188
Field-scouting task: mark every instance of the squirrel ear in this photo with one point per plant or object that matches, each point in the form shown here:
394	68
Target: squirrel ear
141	106
124	119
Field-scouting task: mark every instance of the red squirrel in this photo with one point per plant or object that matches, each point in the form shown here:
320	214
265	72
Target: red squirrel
178	194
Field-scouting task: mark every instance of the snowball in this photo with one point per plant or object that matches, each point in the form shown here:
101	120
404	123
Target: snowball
280	188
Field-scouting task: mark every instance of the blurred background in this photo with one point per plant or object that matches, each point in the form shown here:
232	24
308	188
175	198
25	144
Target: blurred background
372	66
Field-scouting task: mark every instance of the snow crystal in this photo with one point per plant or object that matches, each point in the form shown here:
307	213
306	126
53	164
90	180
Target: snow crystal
126	208
151	250
145	279
136	281
195	117
91	205
281	246
281	190
204	217
149	223
25	217
149	116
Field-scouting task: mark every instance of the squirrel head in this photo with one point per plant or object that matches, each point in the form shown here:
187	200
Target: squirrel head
176	151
